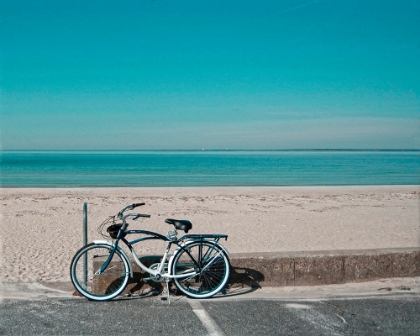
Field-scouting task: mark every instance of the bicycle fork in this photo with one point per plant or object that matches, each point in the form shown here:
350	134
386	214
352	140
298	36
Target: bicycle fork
107	261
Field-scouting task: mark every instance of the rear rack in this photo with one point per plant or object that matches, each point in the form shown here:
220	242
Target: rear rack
203	237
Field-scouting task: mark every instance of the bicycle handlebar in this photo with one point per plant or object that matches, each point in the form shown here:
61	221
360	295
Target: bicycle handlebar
131	207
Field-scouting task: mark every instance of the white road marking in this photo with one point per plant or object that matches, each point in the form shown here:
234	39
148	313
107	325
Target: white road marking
211	326
297	306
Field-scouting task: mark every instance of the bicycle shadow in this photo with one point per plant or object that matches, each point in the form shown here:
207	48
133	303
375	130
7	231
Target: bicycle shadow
137	286
241	281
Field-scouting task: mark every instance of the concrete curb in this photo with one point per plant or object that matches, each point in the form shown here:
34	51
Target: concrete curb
301	268
323	267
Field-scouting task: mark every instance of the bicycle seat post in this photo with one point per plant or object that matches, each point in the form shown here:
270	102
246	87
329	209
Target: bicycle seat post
172	235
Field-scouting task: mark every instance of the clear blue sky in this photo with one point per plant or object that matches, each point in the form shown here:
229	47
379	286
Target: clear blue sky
166	74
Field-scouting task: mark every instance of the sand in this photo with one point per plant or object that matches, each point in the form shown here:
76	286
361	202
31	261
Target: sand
41	229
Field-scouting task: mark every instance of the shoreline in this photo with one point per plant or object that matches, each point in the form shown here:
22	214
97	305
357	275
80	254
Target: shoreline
216	187
314	187
42	227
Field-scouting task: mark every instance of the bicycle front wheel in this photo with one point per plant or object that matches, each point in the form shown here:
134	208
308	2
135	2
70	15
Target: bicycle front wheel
99	287
207	267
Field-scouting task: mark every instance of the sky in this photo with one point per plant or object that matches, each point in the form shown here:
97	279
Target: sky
166	74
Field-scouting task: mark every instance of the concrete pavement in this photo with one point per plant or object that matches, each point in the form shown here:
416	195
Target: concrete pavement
380	287
361	309
268	294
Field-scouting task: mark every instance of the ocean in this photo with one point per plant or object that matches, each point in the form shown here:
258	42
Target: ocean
207	168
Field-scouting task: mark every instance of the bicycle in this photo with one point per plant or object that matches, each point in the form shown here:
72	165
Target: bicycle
199	266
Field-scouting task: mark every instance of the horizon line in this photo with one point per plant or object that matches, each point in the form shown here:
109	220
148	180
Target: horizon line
220	150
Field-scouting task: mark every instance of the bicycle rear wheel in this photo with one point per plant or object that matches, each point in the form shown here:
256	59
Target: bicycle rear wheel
209	264
99	287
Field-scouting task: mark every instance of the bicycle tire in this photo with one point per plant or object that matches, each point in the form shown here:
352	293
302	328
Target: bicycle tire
211	265
105	286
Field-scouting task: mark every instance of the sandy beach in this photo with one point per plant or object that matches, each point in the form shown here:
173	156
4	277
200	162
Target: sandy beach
42	228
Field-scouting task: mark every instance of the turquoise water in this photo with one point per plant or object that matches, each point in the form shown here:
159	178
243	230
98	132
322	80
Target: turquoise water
208	168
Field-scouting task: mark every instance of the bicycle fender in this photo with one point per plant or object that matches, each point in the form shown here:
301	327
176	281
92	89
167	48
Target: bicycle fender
127	258
190	242
224	249
218	244
210	240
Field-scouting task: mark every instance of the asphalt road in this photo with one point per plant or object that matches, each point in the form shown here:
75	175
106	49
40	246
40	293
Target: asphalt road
375	315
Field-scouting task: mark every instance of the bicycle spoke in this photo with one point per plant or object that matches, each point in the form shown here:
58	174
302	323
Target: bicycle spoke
212	273
99	286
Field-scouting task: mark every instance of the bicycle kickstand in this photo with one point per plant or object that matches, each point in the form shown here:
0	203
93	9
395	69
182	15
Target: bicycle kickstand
168	298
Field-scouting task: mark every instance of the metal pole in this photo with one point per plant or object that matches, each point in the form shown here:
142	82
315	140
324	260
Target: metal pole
85	265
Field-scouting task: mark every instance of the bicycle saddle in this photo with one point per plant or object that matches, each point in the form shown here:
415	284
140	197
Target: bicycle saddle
180	224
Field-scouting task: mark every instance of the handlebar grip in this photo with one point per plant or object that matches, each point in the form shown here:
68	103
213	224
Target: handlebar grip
135	205
140	215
